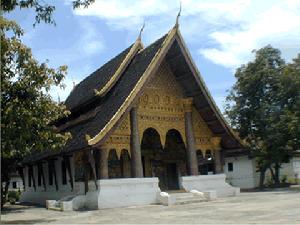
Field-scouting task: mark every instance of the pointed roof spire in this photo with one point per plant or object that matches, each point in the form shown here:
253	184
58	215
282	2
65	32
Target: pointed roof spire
140	34
178	15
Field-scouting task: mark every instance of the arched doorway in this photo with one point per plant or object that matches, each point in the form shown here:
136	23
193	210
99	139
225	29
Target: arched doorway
151	149
114	169
174	158
168	163
125	164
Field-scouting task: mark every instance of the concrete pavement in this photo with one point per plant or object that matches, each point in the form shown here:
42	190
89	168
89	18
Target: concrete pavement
273	207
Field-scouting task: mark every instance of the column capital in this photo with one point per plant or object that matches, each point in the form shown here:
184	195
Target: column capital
187	104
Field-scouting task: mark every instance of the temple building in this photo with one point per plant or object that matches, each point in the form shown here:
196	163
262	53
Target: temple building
142	124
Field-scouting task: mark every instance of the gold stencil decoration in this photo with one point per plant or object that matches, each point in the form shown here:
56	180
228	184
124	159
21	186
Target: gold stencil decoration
161	107
204	139
120	138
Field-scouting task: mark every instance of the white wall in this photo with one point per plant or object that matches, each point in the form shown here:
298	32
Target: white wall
243	174
296	166
19	183
128	192
287	170
40	195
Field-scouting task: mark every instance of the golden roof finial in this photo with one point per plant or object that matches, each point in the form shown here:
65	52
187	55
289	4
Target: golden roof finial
140	34
178	15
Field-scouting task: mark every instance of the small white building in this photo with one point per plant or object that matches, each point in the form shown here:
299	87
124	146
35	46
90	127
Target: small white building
241	171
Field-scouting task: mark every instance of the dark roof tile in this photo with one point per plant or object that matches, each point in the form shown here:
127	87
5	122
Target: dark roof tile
116	96
84	91
111	102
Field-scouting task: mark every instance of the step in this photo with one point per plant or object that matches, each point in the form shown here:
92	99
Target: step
57	204
186	198
54	208
176	195
189	201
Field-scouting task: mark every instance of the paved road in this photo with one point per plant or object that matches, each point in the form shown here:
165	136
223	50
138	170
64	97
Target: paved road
276	207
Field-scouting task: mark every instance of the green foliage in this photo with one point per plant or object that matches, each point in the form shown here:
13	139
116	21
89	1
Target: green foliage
43	11
264	107
14	196
82	3
27	110
284	179
27	107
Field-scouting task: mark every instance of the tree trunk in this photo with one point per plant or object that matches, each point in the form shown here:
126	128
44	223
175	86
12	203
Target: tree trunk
272	174
277	169
4	191
262	177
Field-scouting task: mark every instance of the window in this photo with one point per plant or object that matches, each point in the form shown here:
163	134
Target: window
14	184
64	172
230	167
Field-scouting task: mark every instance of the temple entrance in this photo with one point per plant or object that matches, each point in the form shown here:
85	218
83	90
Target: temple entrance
168	163
172	176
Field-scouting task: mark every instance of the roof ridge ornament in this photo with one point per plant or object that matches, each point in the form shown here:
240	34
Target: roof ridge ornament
178	15
141	31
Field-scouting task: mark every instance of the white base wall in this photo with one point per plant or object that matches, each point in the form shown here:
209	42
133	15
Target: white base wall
113	193
128	192
40	196
204	183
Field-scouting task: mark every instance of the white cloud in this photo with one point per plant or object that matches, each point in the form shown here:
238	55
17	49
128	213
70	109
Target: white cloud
279	25
226	31
91	40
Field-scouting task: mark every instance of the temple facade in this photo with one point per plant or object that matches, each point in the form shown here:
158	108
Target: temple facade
142	124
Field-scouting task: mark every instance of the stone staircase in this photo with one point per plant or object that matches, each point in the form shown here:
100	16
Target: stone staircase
186	198
182	197
53	205
63	204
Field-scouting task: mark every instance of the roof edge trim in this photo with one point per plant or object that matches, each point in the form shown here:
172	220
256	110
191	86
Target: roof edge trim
206	92
134	49
166	43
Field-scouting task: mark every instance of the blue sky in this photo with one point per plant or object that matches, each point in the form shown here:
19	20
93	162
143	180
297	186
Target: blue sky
219	34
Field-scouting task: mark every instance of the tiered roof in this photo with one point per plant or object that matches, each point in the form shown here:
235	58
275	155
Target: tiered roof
98	103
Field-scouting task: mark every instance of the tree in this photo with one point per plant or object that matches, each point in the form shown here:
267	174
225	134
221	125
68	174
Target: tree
44	11
263	106
27	108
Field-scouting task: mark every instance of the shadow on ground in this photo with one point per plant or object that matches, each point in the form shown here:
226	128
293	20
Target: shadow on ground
17	208
26	221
